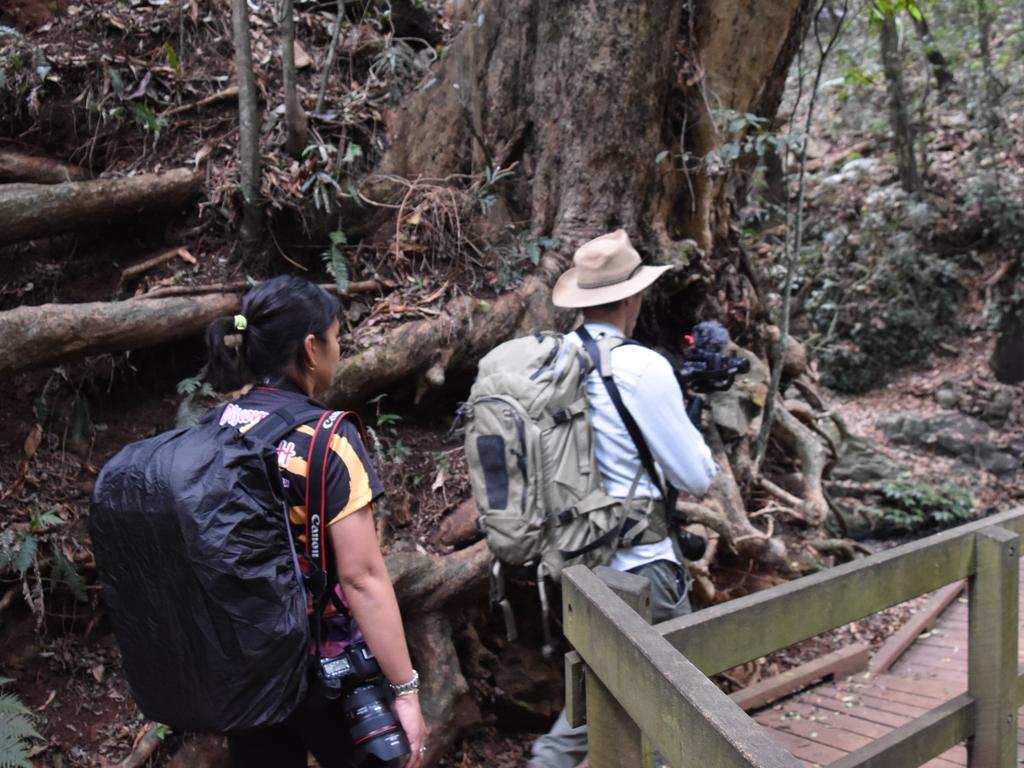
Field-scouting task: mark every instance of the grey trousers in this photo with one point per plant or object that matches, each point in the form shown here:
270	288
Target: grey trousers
566	747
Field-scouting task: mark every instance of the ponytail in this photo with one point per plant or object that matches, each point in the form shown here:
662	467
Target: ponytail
266	339
224	367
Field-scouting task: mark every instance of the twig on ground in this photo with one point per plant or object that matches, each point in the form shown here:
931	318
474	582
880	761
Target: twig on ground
226	95
145	745
138	270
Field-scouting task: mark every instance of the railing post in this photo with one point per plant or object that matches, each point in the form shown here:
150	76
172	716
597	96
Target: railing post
614	740
992	649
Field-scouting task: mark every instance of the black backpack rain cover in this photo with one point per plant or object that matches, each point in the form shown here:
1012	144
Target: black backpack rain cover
200	578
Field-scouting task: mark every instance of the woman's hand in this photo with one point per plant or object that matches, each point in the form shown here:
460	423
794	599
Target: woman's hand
407	709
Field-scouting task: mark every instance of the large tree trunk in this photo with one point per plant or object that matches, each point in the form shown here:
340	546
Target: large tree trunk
581	100
30	211
35	336
899	114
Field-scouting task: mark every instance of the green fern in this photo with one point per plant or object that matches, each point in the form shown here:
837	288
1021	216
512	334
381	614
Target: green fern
63	571
16	728
26	555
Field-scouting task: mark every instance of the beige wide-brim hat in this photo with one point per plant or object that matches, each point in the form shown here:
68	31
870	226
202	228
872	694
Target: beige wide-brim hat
604	270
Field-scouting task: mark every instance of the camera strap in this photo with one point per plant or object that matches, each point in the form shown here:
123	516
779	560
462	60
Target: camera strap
318	578
668	493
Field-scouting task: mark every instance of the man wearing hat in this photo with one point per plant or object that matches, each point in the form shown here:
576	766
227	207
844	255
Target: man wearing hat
606	282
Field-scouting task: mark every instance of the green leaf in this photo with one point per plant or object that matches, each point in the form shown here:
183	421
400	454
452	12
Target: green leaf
337	237
339	265
146	117
26	555
172	59
63	571
352	153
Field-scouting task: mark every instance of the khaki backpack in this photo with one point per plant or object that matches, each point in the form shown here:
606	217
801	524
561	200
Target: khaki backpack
530	450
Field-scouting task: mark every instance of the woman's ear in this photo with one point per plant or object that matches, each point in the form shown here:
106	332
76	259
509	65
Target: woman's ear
312	353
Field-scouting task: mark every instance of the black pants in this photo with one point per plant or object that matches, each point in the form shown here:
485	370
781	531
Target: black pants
320	731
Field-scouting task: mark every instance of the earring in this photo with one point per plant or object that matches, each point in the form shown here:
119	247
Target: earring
312	368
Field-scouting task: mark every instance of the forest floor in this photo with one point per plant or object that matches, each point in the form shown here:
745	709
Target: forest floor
57	427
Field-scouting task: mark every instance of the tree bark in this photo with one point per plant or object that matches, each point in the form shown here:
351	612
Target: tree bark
248	125
30	211
50	333
296	122
899	117
940	67
428	583
15	166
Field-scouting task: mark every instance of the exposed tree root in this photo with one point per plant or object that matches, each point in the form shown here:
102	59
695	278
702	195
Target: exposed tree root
723	510
426	583
448	707
788	430
30	169
31	211
50	333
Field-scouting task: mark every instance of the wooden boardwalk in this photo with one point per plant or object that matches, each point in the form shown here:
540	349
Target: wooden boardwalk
822	724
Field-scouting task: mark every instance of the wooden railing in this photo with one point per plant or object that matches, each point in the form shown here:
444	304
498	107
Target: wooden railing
644	688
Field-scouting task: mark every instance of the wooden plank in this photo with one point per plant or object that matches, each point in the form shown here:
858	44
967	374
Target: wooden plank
575	690
864	713
828	718
691	722
929	688
614	740
918	741
819	732
635	591
993	606
838	664
805	749
719	637
922	621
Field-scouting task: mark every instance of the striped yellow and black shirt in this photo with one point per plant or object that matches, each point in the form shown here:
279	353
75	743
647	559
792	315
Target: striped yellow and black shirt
352	482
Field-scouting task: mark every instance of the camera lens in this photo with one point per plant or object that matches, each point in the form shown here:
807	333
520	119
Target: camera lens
692	546
372	725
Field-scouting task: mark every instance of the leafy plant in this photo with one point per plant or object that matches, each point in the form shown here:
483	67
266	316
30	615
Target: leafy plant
16	727
335	262
22	550
392	447
196	394
910	506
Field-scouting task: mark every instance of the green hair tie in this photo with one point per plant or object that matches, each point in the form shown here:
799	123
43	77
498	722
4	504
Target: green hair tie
241	323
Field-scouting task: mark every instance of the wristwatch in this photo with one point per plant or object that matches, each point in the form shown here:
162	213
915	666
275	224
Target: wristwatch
405	689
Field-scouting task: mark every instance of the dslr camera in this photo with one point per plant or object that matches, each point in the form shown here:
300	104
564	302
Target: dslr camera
355	678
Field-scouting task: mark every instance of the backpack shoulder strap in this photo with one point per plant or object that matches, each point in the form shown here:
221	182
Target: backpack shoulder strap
601	355
286	419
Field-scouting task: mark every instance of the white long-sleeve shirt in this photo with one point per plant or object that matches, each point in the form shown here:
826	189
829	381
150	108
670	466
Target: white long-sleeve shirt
652	396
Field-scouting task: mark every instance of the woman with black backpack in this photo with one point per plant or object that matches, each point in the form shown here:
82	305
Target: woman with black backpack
285	343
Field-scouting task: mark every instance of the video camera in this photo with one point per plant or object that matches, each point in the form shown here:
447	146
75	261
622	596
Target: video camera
706	368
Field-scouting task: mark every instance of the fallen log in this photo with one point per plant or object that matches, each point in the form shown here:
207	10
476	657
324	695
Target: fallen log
426	583
50	333
15	166
466	330
30	211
